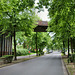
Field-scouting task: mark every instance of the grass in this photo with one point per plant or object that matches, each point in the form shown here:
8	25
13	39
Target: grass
62	54
70	66
32	53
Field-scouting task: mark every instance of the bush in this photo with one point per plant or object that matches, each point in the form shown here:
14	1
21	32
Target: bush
21	52
70	59
7	58
42	53
19	46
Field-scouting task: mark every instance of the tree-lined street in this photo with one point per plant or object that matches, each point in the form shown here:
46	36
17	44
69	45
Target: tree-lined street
49	64
23	33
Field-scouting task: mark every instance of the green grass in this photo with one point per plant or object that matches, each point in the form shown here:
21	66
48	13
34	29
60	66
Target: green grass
62	54
32	53
69	66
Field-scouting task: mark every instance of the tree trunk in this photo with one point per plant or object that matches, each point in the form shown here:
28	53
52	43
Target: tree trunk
4	45
68	48
64	47
24	44
15	44
11	45
71	46
1	44
36	45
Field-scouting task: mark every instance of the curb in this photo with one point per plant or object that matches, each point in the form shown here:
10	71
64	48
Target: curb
66	68
63	67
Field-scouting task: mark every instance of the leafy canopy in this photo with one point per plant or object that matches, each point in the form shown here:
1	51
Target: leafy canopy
18	14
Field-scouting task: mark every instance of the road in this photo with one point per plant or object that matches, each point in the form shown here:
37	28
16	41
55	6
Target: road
49	64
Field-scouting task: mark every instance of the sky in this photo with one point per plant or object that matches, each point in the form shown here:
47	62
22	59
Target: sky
42	14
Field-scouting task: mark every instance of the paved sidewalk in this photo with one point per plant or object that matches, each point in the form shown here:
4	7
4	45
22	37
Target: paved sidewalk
20	57
28	56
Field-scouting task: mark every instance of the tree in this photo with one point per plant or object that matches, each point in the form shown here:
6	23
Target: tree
62	20
43	40
16	15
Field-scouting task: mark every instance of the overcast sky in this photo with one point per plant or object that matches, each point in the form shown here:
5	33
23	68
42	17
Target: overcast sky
42	14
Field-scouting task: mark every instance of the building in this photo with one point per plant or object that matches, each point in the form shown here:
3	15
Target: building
5	45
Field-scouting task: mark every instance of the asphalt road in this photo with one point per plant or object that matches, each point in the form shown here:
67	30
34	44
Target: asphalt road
49	64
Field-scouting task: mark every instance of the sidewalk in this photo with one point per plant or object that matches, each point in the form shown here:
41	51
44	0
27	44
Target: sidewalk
70	68
19	59
28	56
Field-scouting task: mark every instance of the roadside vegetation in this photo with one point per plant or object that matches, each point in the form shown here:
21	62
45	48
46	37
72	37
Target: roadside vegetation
20	51
28	43
70	66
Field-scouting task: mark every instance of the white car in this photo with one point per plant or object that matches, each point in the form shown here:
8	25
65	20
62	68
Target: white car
50	51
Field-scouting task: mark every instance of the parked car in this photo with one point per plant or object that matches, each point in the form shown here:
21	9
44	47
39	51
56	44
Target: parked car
50	51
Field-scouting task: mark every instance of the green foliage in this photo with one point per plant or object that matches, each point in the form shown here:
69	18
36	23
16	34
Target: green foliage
21	52
62	20
43	40
18	14
6	56
72	58
56	42
19	47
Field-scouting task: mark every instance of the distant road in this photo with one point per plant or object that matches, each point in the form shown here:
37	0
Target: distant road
49	64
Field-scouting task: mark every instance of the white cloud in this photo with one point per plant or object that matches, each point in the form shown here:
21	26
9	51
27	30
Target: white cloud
43	14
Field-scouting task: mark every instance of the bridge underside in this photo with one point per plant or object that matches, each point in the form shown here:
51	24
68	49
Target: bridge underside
41	26
40	29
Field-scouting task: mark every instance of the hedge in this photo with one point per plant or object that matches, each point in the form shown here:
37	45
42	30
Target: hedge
20	52
7	58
